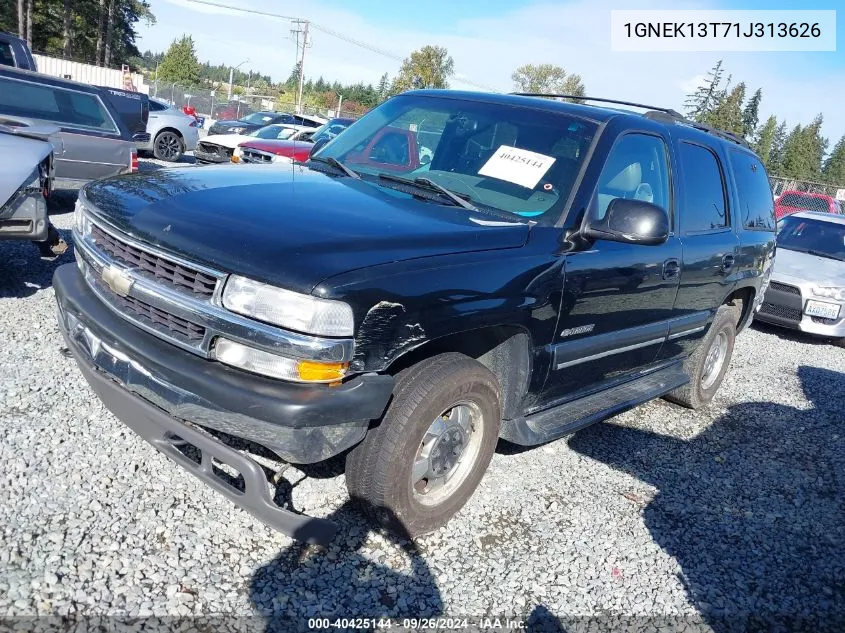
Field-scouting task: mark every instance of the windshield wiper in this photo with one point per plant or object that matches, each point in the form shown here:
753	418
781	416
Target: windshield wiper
430	184
331	160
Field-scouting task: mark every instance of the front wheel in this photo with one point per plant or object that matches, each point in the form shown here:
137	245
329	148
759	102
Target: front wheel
707	365
168	146
422	463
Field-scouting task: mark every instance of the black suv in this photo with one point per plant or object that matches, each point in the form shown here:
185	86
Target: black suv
453	269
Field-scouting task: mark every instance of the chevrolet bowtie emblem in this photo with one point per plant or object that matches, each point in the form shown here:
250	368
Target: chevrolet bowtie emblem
117	280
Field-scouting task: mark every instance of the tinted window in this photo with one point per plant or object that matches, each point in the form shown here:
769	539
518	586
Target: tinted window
260	118
703	193
6	57
636	169
155	106
28	99
805	235
756	204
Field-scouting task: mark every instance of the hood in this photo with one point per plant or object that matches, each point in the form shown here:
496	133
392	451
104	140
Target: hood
226	140
289	227
277	146
821	271
27	152
222	126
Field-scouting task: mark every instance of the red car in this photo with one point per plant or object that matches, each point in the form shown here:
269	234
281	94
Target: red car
274	151
794	201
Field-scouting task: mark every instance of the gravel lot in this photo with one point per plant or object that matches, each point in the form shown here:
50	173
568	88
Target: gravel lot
659	517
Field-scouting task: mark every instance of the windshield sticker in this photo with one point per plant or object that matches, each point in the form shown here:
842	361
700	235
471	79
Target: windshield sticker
518	166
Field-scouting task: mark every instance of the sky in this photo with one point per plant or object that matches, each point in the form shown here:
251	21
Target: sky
488	39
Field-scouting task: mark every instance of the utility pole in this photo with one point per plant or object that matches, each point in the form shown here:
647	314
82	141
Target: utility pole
301	27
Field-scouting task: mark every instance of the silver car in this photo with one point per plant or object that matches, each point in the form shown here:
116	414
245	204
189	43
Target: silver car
172	132
807	288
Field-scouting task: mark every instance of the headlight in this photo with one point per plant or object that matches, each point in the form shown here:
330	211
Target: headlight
238	152
268	364
829	292
281	159
292	310
80	220
236	130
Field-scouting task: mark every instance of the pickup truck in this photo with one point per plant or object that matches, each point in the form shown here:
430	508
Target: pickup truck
453	269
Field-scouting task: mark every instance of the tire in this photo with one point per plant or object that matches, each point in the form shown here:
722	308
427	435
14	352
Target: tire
380	470
168	146
704	384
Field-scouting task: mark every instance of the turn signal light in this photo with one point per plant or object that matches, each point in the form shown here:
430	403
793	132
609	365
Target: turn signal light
314	371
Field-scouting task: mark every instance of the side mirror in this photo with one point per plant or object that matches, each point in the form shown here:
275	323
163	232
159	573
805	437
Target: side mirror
630	221
319	144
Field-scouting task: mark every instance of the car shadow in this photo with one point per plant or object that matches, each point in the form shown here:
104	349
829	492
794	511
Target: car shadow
22	270
752	509
339	581
790	335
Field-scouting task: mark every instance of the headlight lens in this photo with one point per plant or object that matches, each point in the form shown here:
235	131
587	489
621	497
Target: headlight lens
268	364
238	152
831	292
292	310
80	220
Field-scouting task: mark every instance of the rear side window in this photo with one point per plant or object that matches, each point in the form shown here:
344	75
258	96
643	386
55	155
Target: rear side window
6	56
756	204
155	106
65	107
703	191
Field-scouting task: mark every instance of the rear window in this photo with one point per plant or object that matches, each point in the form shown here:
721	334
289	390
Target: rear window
703	188
816	237
62	106
756	203
6	56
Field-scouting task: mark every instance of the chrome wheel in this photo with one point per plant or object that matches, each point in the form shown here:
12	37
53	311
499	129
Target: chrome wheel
714	360
168	146
446	453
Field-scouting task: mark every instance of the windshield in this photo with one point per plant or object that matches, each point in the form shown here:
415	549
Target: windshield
518	160
329	130
274	132
826	239
258	117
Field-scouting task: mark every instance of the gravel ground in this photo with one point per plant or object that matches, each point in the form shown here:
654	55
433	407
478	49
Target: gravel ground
659	517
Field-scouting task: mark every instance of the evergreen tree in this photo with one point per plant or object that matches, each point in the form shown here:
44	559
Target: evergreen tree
765	140
383	87
776	155
701	102
804	150
292	82
727	114
751	114
834	166
180	64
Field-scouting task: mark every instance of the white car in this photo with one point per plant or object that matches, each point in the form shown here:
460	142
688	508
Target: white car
219	148
172	132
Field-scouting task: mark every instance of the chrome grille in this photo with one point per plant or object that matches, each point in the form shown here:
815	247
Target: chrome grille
255	156
791	290
156	267
161	320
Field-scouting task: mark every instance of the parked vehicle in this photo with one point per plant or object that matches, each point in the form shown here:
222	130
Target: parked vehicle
99	128
219	148
289	148
25	182
552	264
172	132
807	290
794	201
15	52
257	120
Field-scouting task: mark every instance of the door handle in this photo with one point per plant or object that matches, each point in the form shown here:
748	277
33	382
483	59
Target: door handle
727	263
671	269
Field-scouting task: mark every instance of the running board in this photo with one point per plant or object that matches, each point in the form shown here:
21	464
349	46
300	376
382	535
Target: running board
565	419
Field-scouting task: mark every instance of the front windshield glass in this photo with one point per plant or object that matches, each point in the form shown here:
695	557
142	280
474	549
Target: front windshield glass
516	159
257	117
826	239
274	132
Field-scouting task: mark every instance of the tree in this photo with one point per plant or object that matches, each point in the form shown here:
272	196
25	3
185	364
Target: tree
427	67
751	114
180	64
765	141
383	87
776	155
803	151
703	100
547	78
727	114
834	166
293	79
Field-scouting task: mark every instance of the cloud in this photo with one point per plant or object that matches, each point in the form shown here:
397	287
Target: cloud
574	34
691	85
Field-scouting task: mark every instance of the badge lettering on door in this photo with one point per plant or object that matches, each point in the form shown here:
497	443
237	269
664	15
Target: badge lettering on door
117	280
581	329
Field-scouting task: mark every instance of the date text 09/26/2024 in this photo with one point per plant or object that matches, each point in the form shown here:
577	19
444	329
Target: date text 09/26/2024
419	624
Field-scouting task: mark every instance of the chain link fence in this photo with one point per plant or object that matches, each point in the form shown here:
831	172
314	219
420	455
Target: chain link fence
214	105
797	195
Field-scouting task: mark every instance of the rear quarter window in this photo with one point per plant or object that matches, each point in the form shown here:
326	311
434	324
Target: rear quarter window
703	192
6	56
756	203
52	103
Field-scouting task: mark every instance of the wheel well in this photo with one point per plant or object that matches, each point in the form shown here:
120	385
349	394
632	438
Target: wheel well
743	298
170	129
504	350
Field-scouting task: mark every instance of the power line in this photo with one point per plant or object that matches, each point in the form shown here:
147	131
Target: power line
329	31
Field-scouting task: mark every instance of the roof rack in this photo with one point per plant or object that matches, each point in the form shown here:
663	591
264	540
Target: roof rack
655	113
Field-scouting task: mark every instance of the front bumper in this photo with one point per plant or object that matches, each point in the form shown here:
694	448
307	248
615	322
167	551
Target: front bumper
210	157
25	218
784	304
166	395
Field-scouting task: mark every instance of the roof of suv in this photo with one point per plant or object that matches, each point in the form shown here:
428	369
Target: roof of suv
597	114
